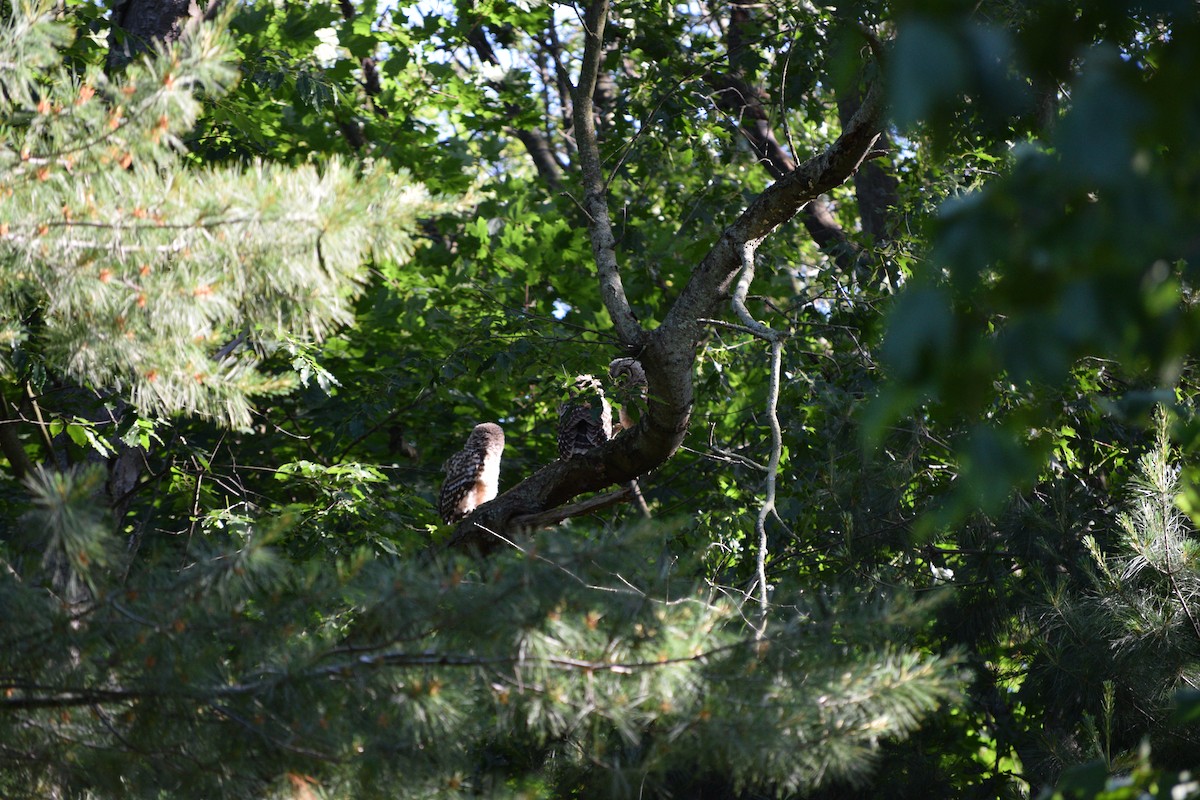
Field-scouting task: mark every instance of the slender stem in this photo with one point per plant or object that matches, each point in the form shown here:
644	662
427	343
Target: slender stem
1168	509
42	426
768	506
775	339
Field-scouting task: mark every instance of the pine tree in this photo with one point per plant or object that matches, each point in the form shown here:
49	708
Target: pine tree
581	667
1115	651
129	273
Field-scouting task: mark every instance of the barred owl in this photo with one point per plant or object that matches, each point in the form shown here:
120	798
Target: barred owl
472	474
629	387
585	419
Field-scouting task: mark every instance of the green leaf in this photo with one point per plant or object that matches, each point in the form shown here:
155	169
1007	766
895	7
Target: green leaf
78	434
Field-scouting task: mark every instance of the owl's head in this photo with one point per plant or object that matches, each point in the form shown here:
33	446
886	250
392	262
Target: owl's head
486	434
627	372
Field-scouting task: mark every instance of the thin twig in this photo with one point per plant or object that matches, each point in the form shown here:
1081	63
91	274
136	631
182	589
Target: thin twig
43	428
775	339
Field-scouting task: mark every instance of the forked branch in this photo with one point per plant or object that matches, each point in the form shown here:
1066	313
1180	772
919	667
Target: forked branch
668	352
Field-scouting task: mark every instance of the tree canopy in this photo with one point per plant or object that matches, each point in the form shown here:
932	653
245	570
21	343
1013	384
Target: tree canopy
907	507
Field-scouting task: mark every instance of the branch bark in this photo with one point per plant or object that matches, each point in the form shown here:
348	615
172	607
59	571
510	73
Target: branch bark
775	339
595	197
746	104
589	506
877	193
371	82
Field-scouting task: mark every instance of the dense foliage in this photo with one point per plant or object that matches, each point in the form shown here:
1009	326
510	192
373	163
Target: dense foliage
913	526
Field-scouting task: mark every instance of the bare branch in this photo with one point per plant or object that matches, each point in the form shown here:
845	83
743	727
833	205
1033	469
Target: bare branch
24	695
776	340
738	301
557	515
595	198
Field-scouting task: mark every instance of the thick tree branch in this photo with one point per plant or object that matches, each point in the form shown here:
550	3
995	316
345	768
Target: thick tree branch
595	198
620	460
746	104
877	193
875	189
138	24
778	203
371	81
562	79
589	506
669	351
543	157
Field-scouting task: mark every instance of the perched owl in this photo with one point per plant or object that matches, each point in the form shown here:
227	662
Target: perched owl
472	474
629	387
585	419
